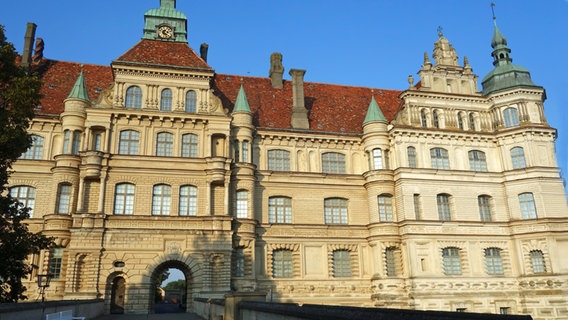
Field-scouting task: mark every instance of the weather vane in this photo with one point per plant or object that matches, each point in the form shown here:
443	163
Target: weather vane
493	9
440	34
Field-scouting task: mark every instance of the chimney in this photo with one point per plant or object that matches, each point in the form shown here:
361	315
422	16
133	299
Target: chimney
276	70
28	44
299	111
203	51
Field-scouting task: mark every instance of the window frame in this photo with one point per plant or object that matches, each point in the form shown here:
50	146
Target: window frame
440	158
385	207
538	264
35	150
333	163
241	204
279	209
485	208
191	101
477	161
240	262
341	264
411	156
377	159
493	261
390	262
278	160
527	206
124	196
128	142
336	211
25	195
187	201
164	144
511	117
133	98
443	201
451	261
55	266
64	195
161	199
282	263
166	99
518	159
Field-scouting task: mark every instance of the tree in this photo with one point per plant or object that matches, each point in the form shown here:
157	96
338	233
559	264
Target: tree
19	94
175	285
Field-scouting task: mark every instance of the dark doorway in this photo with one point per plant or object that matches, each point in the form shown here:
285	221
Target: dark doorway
117	296
170	294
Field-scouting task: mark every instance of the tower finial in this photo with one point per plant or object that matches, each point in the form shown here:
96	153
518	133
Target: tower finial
493	10
440	33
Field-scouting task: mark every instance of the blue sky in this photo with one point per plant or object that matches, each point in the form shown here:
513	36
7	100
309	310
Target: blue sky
362	42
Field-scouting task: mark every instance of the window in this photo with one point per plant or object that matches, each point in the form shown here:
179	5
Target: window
537	261
55	262
493	261
279	210
335	211
190	101
161	200
35	151
25	196
128	143
377	159
461	117
165	144
423	120
440	159
134	97
63	198
471	122
282	264
528	209
411	153
385	207
477	161
417	206
189	145
341	264
444	212
66	140
511	116
484	203
504	310
278	160
237	154
390	261
124	198
518	158
436	119
76	146
451	261
239	262
242	204
245	155
166	100
333	162
187	201
461	309
97	141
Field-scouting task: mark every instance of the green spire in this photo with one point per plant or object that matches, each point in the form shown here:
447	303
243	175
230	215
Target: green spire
374	113
79	90
241	105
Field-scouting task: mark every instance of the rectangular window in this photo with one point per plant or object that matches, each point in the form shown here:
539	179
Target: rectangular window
161	200
528	209
278	160
385	207
279	210
242	204
440	158
25	196
417	206
66	141
35	151
165	144
239	262
282	264
411	154
537	261
55	262
97	141
124	198
128	143
63	199
444	212
390	261
236	152
504	310
189	146
341	264
493	261
484	208
518	158
477	161
377	159
451	261
187	201
333	162
75	148
335	211
245	155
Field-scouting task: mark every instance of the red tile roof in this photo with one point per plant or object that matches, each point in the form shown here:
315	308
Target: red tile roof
164	53
332	108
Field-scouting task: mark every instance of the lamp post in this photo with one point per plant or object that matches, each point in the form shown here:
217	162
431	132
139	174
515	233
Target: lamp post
43	281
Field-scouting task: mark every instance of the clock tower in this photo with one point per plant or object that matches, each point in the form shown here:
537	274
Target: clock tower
165	23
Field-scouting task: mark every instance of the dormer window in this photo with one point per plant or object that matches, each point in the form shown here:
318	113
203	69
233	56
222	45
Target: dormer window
134	97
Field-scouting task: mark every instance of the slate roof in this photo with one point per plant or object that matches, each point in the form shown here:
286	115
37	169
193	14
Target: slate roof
332	108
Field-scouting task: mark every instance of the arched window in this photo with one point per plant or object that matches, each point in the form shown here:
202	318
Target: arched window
187	201
165	144
25	196
537	261
471	122
128	143
278	160
493	261
385	207
528	208
35	151
166	100
282	264
436	119
124	198
411	154
190	101
134	97
241	205
423	120
189	145
161	200
477	161
511	116
484	203
333	162
451	261
518	158
439	158
335	211
444	207
64	198
279	210
341	264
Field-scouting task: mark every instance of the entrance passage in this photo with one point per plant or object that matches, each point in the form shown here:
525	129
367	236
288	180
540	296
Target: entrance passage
117	296
170	295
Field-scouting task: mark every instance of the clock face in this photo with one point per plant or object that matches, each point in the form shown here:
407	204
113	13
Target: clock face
165	32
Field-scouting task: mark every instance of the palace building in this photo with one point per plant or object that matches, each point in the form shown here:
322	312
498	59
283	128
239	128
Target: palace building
442	196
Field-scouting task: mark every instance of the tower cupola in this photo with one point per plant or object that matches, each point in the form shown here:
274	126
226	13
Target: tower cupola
165	23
